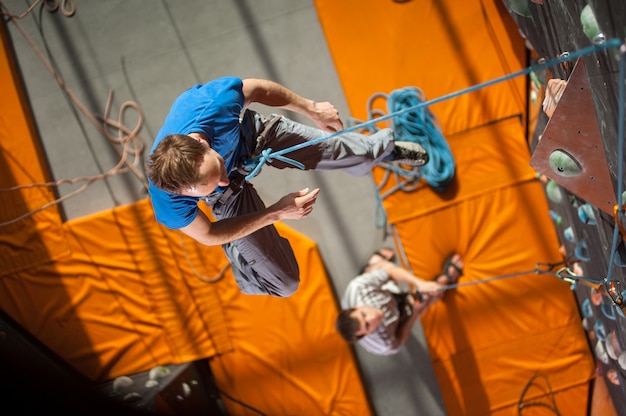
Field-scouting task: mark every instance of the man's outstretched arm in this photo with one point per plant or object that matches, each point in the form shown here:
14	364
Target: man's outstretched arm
292	206
323	114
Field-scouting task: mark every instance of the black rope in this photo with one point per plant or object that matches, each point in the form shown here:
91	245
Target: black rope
521	405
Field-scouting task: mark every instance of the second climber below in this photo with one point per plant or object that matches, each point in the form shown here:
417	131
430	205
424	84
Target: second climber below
200	154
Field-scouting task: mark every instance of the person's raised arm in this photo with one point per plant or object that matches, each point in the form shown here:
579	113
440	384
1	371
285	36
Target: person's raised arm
323	114
401	275
293	206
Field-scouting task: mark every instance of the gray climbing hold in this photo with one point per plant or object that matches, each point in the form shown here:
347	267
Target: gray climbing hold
122	381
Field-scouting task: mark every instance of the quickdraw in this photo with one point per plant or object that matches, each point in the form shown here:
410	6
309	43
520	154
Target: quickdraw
613	287
617	295
562	271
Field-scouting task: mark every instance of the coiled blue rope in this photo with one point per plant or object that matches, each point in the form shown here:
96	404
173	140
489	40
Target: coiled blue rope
418	126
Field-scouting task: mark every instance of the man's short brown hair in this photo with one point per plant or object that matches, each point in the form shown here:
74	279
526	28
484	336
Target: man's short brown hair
174	164
347	326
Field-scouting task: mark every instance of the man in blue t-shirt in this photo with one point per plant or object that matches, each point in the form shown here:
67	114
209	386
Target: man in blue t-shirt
200	154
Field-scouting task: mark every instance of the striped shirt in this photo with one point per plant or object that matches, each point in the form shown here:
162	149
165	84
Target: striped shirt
376	289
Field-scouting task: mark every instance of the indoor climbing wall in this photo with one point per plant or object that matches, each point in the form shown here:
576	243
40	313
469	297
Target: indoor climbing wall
576	147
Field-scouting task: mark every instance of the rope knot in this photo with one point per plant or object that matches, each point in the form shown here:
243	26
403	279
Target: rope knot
266	156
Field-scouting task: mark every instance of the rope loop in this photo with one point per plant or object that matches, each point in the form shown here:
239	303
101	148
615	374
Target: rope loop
255	164
266	155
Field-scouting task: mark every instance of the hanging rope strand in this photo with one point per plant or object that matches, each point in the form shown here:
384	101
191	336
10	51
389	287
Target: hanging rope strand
620	161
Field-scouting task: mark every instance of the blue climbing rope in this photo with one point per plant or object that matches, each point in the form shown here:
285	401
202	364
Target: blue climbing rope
620	163
418	126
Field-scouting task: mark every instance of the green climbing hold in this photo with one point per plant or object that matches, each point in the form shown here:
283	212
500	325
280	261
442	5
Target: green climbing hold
564	164
520	7
554	192
558	220
590	26
581	251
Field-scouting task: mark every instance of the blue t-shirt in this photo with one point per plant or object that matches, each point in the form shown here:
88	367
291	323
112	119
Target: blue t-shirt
212	109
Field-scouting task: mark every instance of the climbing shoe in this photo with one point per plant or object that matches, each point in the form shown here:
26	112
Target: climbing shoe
409	153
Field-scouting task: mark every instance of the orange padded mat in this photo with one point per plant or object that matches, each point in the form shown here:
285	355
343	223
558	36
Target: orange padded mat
115	294
439	46
488	340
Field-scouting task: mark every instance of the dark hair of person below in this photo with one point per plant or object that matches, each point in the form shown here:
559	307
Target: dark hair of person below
347	326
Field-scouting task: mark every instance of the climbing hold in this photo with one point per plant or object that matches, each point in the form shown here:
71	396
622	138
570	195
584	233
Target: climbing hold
538	83
587	309
607	310
612	343
151	383
520	7
599	350
554	192
581	251
564	164
590	26
586	214
159	372
568	233
558	220
132	397
122	381
600	330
